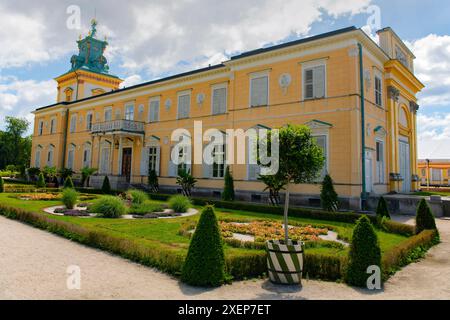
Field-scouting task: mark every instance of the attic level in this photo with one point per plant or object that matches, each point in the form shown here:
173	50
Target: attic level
391	43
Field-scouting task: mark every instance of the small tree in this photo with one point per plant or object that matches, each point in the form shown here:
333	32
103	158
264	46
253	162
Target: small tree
33	173
153	183
2	185
50	173
186	181
274	184
205	262
106	186
424	218
41	181
65	172
300	160
68	183
86	174
382	210
328	196
364	252
228	190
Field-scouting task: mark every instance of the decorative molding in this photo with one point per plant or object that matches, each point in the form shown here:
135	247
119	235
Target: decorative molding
413	107
317	124
393	93
380	131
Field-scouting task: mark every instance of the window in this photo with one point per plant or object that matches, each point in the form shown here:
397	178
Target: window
37	158
89	119
401	56
87	156
219	100
71	157
40	128
104	164
73	123
183	166
378	91
424	173
259	91
108	114
53	126
153	161
436	174
218	168
184	105
50	157
154	110
314	82
129	112
380	161
321	141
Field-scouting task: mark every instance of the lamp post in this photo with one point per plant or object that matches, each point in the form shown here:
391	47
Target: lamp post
428	174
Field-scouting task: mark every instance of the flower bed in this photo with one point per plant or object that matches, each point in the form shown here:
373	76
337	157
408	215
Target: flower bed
39	196
269	230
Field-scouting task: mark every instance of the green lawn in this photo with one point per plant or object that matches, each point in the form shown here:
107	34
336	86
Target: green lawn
163	233
427	194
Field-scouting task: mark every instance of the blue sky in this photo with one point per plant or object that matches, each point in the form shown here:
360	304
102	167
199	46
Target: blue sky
155	38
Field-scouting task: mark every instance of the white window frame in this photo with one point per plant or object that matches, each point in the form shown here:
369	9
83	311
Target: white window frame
257	75
37	157
154	100
380	169
378	75
327	152
73	123
50	156
89	124
311	65
105	111
40	127
182	94
129	106
72	149
53	125
224	160
87	148
218	87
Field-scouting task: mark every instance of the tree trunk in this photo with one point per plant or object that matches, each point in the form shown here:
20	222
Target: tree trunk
286	211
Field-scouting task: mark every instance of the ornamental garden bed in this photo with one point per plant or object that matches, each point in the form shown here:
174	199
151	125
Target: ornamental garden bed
163	243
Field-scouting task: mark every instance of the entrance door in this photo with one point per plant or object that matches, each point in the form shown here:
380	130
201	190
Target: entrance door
126	163
405	165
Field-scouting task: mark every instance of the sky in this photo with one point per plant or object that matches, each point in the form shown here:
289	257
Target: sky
150	39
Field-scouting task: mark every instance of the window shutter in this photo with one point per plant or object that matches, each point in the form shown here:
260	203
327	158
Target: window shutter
184	106
144	161
253	171
158	160
319	82
173	169
154	111
219	101
259	94
322	143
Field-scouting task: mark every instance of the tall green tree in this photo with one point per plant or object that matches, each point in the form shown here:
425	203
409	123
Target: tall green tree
15	147
300	160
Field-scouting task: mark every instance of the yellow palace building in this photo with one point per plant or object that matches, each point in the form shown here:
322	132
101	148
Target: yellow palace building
434	172
359	99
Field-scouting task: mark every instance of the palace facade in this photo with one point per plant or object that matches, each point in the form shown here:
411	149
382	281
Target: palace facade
359	99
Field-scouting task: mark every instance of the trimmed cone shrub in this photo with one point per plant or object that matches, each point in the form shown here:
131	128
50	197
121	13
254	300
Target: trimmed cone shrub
2	185
228	191
424	218
364	252
106	186
109	207
180	204
68	183
69	198
41	181
153	183
382	209
205	261
328	196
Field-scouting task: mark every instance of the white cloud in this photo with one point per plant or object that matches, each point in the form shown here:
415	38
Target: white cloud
434	136
131	81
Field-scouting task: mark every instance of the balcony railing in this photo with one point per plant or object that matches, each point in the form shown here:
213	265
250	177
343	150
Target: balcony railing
118	126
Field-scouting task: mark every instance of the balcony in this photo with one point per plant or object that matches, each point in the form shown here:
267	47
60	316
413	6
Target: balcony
118	126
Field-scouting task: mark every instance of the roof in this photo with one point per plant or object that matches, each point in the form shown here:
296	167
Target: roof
214	67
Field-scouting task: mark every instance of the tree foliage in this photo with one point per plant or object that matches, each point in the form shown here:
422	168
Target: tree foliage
153	183
228	190
328	197
425	218
186	181
15	147
382	209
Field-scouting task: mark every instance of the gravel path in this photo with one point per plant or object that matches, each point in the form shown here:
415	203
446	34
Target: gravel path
33	265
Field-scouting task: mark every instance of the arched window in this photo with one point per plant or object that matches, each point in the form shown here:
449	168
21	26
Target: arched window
50	155
37	157
71	157
87	154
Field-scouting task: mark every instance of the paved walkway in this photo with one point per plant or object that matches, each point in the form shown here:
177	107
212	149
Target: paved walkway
33	265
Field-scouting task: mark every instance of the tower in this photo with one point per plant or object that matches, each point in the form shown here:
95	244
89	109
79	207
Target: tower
89	73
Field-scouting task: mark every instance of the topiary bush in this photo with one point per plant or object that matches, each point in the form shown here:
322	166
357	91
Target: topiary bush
364	252
106	186
109	207
328	197
2	185
228	190
137	196
145	208
205	262
68	183
382	209
69	198
41	181
424	218
180	204
153	183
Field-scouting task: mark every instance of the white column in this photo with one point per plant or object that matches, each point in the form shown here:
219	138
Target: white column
119	173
